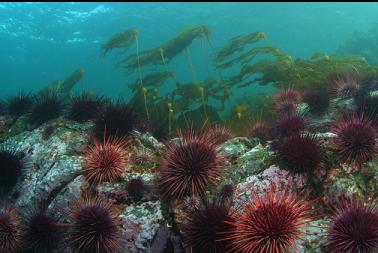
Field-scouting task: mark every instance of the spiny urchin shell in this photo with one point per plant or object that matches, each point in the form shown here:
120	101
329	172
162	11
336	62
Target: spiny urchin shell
318	101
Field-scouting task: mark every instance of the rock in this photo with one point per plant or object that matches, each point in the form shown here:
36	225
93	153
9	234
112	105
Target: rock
148	218
237	146
160	243
249	163
51	168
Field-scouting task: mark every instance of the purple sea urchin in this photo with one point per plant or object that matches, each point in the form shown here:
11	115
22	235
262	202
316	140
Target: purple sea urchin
356	139
116	120
207	227
11	230
48	106
353	228
19	105
43	233
11	168
85	107
290	125
299	153
136	188
94	227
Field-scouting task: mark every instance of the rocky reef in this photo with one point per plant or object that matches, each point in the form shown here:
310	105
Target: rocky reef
53	179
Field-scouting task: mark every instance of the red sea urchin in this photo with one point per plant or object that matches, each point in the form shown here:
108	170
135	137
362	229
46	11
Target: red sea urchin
356	139
94	227
270	222
189	166
219	133
11	230
346	85
299	153
105	162
207	227
354	228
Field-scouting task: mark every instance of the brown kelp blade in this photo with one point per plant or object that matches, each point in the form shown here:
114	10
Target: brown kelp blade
122	40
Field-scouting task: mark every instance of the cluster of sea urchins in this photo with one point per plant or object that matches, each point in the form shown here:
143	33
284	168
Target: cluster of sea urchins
92	226
271	221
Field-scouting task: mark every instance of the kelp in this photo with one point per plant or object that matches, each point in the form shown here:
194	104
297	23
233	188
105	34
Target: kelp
122	40
197	119
237	44
168	50
153	80
202	103
300	74
151	56
249	108
190	91
64	88
248	56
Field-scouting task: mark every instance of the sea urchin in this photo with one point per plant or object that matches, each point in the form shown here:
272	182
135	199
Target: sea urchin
105	162
299	153
353	228
11	230
94	227
207	227
43	233
356	139
11	168
270	222
189	166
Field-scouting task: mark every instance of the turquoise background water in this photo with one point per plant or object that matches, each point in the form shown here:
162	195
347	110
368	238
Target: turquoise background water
42	42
